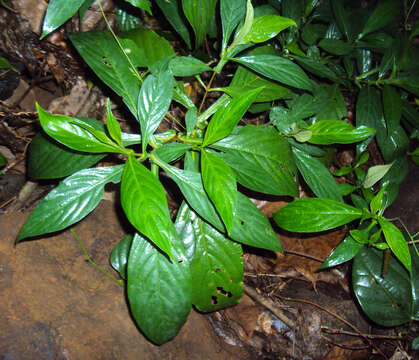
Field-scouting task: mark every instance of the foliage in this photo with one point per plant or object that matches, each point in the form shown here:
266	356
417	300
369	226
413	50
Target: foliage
293	58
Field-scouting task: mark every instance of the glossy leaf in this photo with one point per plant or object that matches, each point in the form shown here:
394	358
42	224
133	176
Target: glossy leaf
277	68
220	185
317	176
159	290
326	132
58	12
5	64
315	214
141	4
217	269
226	118
232	12
261	160
187	66
69	132
344	252
336	47
184	224
384	14
266	27
172	151
73	199
375	174
144	202
119	255
172	13
112	125
199	14
392	104
245	27
102	53
388	300
397	243
317	68
342	18
153	103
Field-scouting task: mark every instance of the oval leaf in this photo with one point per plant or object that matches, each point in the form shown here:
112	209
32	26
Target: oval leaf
73	199
313	215
119	255
266	27
344	252
187	66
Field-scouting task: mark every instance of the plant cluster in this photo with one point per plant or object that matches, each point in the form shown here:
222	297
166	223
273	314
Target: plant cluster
293	59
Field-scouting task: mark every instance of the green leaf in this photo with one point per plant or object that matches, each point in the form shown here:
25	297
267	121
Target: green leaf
58	12
102	53
199	14
336	47
159	290
217	269
112	124
141	4
187	66
4	64
392	104
344	252
261	160
326	132
48	159
342	18
317	176
144	202
232	12
126	21
153	102
314	214
266	27
69	132
277	68
226	118
245	27
172	13
172	151
386	300
119	255
220	185
415	343
185	220
379	201
317	68
374	174
73	199
397	243
251	227
151	47
3	161
384	14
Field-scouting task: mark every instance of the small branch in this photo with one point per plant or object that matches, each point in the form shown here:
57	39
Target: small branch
370	336
207	88
304	255
270	305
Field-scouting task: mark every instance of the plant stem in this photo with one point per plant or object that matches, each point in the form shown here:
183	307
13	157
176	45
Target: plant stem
207	88
89	259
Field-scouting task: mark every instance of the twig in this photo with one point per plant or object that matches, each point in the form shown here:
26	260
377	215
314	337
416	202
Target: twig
304	255
270	305
353	327
371	336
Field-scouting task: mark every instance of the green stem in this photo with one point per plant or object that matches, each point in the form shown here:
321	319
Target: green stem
207	88
189	140
96	266
155	170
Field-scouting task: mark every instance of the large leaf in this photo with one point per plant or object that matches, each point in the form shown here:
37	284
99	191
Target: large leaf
147	47
153	102
317	176
102	53
73	199
185	219
199	14
58	12
392	104
217	269
342	18
344	252
386	300
172	151
226	118
220	184
171	11
336	47
141	4
232	12
384	14
74	133
119	255
266	27
159	290
315	214
261	160
277	68
144	202
326	132
317	68
397	243
187	66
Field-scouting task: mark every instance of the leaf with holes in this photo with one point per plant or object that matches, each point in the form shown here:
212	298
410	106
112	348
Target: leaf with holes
159	290
73	199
